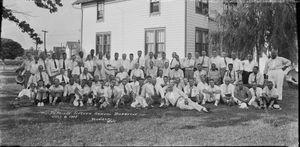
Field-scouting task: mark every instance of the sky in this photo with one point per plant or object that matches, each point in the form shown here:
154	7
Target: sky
62	26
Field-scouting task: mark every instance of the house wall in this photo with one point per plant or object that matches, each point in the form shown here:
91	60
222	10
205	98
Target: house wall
199	20
127	21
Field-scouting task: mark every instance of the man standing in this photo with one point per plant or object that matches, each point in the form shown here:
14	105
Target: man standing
148	60
140	60
224	64
174	62
137	72
124	62
131	64
72	64
197	60
232	74
215	59
192	91
100	60
64	63
53	67
188	65
180	100
115	63
93	57
242	95
237	65
247	68
274	68
151	71
41	75
205	61
90	65
163	60
33	69
81	58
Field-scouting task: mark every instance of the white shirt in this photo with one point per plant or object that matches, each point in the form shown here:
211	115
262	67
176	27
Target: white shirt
52	70
122	75
152	72
88	76
131	64
60	77
198	74
195	90
67	62
175	74
248	66
206	61
232	75
213	89
256	94
147	62
173	62
125	63
227	89
162	62
76	70
141	61
72	65
202	86
89	64
34	67
149	90
45	77
159	80
189	62
166	72
237	65
115	64
137	73
224	64
100	62
215	60
277	63
259	78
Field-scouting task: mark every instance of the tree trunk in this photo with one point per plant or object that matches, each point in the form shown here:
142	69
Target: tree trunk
3	64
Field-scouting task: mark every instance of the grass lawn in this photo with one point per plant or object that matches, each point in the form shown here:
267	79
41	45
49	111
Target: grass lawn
28	126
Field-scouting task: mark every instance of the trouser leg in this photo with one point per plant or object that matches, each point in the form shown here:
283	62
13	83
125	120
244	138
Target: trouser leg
279	83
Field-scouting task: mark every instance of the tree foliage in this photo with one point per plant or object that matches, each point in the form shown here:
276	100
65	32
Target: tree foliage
8	14
248	25
10	49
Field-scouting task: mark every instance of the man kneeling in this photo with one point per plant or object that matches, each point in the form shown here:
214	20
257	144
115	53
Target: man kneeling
179	99
112	95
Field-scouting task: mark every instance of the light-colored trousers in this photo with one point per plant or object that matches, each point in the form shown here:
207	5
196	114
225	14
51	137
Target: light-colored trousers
191	105
215	97
139	101
277	77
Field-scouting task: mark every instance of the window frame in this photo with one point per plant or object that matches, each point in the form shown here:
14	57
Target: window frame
155	42
103	45
201	7
159	7
98	4
203	45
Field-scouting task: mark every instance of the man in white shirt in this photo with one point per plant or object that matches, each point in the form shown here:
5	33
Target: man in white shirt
173	62
247	68
165	82
270	95
124	62
180	100
197	60
138	95
100	60
77	70
198	73
115	63
202	85
212	93
122	74
163	60
192	91
148	60
90	65
151	71
69	90
34	65
112	95
177	73
53	67
93	57
81	57
154	93
237	65
232	74
63	80
256	77
137	72
215	59
160	78
166	70
205	61
72	64
126	92
131	63
108	65
224	60
227	92
140	60
42	61
188	65
64	63
41	75
274	68
85	75
256	92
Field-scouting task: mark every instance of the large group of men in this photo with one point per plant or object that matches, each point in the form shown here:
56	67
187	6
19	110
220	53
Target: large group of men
142	82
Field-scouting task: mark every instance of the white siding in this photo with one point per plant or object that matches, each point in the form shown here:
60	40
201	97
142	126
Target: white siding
198	20
127	22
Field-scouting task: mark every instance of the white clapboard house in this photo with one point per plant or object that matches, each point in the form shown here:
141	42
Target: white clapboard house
125	26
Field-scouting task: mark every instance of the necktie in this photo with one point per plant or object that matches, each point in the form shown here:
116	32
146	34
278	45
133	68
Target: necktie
225	61
202	60
125	91
44	64
229	74
80	70
139	60
112	93
64	65
255	79
154	91
140	91
191	90
41	76
54	63
62	78
255	93
226	91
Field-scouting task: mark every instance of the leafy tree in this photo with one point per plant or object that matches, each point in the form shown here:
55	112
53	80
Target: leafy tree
10	49
8	14
249	25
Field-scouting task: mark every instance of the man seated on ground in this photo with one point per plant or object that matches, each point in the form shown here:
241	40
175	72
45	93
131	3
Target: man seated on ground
134	82
137	72
42	75
122	73
69	91
256	92
178	84
256	77
230	73
242	95
102	72
165	82
63	79
27	95
86	75
154	94
151	71
126	92
55	91
177	73
41	94
202	85
199	73
179	99
96	82
138	95
88	93
227	92
78	70
270	96
192	91
214	74
212	93
99	94
112	95
79	99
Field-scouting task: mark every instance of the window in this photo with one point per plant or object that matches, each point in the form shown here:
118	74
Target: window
100	10
155	41
202	6
154	6
201	40
102	43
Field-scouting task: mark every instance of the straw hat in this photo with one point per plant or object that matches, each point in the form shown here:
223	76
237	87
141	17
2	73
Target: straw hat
20	79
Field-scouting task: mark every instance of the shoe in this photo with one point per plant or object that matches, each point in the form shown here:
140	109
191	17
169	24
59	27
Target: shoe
152	106
95	105
42	104
203	103
207	110
216	104
81	104
39	104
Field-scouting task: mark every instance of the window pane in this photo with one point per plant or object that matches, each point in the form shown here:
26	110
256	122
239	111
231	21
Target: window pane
108	39
204	38
198	36
160	36
154	5
150	37
160	47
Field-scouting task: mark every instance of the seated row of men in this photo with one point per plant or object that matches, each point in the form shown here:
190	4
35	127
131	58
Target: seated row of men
186	94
